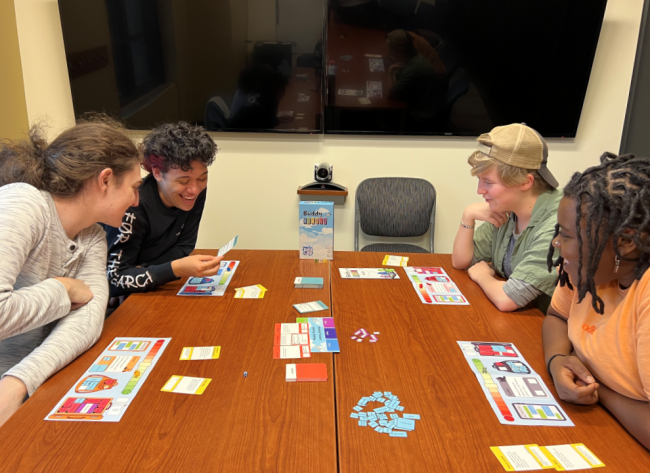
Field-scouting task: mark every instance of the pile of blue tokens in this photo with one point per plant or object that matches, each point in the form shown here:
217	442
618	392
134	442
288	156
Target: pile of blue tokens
385	420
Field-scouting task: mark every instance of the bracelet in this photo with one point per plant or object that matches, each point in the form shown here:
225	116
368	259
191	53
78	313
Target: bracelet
548	365
467	226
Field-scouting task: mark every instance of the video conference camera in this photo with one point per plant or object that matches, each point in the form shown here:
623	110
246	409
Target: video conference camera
323	172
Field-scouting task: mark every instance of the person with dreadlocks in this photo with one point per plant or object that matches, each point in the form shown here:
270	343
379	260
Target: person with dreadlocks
597	330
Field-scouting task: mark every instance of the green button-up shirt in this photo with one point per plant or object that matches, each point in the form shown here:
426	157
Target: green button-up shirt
528	260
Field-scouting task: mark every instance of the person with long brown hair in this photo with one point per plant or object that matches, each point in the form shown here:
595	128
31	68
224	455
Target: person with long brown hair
53	289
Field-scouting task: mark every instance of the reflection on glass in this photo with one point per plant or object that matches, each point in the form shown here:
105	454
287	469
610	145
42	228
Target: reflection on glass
458	67
240	65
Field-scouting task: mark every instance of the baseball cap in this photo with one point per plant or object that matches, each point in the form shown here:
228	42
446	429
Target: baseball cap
520	146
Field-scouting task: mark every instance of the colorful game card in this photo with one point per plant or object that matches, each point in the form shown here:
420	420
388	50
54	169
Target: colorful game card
200	353
433	286
558	457
572	457
322	334
291	351
518	398
214	285
228	246
291	334
107	388
390	260
521	458
373	89
250	292
306	372
186	385
310	307
368	273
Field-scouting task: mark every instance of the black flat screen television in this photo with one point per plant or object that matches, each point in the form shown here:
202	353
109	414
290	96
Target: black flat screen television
231	65
458	67
411	67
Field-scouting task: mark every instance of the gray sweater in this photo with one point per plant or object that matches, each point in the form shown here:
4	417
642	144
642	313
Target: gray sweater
36	323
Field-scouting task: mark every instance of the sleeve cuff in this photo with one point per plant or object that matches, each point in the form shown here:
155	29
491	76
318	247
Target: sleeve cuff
31	388
162	274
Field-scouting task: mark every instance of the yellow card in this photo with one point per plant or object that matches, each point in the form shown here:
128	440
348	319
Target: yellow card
250	292
200	353
186	385
571	457
518	458
390	260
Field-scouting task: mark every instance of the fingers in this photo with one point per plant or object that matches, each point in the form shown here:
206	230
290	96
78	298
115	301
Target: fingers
574	364
208	265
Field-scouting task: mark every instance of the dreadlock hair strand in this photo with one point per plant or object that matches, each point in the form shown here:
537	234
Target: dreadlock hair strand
611	199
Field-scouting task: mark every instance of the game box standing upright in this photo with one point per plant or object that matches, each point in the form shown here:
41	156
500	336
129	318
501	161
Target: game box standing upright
316	230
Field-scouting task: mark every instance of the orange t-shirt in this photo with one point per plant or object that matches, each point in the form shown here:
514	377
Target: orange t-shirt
614	346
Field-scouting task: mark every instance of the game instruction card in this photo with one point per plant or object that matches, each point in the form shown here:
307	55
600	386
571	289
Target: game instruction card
200	353
390	260
250	292
516	393
368	273
186	385
322	334
373	89
108	387
376	64
228	246
533	457
310	307
291	334
434	286
291	351
214	285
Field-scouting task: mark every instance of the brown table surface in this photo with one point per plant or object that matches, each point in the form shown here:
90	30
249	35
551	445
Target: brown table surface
418	360
262	423
258	423
355	41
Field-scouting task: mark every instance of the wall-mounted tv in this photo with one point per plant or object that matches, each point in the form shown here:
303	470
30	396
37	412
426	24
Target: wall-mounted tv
232	65
458	67
411	67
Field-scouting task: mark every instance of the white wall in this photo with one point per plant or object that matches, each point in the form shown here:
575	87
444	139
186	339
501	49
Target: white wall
252	190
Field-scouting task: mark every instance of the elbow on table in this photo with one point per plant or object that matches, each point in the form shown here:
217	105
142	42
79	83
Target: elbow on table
458	264
505	304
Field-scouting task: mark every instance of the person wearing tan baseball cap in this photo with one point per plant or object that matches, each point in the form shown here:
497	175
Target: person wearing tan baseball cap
519	215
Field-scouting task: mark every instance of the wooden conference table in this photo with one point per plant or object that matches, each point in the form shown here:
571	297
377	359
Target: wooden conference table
262	423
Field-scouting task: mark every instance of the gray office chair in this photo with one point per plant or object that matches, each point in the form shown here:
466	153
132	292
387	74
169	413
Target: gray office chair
395	207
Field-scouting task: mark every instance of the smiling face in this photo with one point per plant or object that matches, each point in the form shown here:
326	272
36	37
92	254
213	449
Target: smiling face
180	188
567	243
500	197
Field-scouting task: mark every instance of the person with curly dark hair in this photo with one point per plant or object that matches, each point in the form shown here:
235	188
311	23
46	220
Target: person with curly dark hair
597	329
153	244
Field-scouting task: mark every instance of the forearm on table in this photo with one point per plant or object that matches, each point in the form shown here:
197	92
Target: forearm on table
555	337
463	251
493	289
29	307
634	415
72	336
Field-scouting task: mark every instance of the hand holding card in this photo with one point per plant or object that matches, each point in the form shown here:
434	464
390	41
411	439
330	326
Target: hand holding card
196	265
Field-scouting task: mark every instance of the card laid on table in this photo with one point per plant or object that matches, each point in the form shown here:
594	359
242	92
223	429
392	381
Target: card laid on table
310	307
